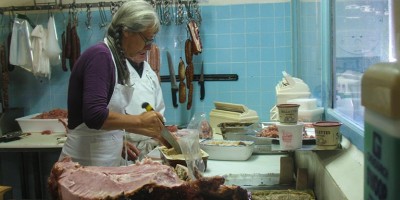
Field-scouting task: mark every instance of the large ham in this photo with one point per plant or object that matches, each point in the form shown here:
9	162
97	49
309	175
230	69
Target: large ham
144	180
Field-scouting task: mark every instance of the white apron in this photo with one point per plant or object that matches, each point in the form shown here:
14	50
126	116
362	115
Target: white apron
145	89
92	147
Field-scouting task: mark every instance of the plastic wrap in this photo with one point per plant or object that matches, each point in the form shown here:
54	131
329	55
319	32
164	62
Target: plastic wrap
189	143
200	123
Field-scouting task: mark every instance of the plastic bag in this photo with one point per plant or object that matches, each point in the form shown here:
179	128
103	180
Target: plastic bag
21	47
254	129
200	123
189	142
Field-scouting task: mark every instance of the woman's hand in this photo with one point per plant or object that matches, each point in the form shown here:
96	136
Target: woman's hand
133	152
148	123
158	124
152	124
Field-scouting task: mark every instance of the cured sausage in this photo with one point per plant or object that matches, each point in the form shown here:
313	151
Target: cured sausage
4	76
182	92
8	64
189	74
190	96
68	40
181	70
188	51
63	53
154	60
76	47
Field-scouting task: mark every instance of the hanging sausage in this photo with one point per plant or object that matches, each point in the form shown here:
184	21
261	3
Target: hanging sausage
72	45
182	86
154	59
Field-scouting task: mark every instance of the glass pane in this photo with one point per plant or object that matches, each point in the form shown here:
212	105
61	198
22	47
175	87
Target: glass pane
361	39
309	46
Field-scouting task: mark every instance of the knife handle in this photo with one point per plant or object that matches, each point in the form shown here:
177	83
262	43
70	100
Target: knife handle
202	90
174	98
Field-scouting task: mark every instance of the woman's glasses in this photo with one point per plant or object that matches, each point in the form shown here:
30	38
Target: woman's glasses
147	42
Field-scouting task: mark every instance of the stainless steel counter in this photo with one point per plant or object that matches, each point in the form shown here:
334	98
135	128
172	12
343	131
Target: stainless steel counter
34	141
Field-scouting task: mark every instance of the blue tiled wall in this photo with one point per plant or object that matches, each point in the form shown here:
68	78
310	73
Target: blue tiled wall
251	40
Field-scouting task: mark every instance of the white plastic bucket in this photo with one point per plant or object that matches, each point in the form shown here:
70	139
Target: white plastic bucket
290	135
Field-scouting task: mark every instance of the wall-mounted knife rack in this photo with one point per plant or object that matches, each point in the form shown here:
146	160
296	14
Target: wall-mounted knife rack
207	77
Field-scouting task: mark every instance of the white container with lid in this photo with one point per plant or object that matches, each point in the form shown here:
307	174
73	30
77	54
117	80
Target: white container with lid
305	103
291	88
381	98
290	136
311	115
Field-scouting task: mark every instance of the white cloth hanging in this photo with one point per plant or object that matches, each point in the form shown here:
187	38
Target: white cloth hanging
53	49
41	63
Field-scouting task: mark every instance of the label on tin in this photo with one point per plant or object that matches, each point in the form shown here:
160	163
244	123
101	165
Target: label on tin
382	164
326	136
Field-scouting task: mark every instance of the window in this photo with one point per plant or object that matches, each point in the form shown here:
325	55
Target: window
337	41
361	38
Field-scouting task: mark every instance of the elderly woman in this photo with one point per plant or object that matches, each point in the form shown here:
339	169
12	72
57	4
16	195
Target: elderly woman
100	89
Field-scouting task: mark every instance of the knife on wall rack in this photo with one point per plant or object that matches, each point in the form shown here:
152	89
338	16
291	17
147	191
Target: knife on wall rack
201	82
207	77
174	86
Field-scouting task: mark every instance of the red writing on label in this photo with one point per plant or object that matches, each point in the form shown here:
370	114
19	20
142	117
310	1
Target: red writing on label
287	136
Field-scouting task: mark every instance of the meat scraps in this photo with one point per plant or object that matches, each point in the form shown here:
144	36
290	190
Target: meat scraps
143	180
53	114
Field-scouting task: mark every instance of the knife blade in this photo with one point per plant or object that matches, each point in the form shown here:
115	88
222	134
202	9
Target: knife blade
174	86
201	82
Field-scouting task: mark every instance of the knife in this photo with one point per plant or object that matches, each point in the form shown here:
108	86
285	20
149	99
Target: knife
201	82
165	132
174	86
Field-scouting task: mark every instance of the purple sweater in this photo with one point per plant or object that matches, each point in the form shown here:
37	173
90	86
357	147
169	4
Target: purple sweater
91	85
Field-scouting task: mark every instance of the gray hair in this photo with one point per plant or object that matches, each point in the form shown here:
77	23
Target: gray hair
134	16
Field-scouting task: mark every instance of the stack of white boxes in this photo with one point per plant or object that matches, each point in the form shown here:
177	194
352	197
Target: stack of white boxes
308	110
294	90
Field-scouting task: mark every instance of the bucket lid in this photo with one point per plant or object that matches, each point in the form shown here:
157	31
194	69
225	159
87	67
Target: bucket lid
326	123
380	91
287	105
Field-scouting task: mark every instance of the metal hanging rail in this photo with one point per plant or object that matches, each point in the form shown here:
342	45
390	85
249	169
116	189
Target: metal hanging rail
55	6
169	11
